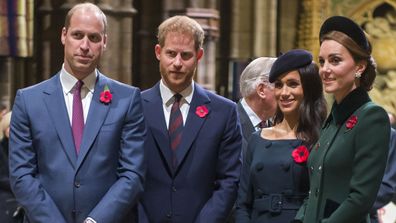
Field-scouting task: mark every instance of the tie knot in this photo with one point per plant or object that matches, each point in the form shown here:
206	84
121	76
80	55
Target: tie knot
78	85
262	124
177	97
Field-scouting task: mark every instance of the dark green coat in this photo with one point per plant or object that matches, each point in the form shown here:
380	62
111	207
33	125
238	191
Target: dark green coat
346	165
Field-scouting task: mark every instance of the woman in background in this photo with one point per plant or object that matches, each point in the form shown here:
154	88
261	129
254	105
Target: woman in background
274	180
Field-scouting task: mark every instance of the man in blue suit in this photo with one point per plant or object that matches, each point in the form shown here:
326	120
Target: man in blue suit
191	177
76	145
387	189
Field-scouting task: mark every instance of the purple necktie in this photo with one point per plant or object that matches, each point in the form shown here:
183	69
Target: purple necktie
175	126
78	116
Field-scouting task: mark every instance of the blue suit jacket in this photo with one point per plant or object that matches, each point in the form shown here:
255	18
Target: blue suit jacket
51	181
203	186
388	185
247	127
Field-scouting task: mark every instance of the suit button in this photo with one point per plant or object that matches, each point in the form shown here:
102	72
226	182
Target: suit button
169	215
174	189
77	184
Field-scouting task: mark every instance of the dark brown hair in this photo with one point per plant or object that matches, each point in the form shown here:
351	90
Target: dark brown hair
312	111
358	55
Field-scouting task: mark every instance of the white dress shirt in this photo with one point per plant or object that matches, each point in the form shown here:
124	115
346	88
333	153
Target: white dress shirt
254	119
68	82
168	99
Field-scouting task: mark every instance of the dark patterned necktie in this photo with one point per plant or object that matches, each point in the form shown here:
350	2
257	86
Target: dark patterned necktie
175	125
77	116
263	124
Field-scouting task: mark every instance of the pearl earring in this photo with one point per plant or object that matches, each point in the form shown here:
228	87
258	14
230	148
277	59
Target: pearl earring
357	75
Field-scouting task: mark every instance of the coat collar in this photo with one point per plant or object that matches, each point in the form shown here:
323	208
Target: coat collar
354	100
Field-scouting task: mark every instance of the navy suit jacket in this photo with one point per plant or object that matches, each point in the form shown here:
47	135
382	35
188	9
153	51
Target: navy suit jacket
51	181
203	186
247	127
388	185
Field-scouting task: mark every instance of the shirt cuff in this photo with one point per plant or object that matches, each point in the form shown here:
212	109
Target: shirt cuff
89	220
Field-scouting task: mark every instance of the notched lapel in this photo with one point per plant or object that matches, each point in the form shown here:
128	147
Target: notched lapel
156	120
55	103
96	116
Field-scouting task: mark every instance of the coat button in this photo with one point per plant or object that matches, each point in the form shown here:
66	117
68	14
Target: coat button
316	192
169	215
77	184
312	169
174	189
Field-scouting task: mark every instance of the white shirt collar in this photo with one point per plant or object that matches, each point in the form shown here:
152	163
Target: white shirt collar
252	115
167	94
68	81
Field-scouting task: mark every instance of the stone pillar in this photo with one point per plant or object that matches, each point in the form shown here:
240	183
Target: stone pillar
117	59
209	20
264	28
5	80
44	12
241	30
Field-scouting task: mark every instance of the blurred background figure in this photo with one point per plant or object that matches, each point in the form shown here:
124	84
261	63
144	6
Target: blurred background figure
3	111
384	210
258	103
8	204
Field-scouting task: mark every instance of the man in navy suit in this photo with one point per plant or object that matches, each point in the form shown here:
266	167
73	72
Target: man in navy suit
196	181
387	189
258	103
90	173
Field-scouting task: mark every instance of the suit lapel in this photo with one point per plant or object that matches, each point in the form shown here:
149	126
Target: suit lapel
96	116
247	126
193	123
155	118
55	103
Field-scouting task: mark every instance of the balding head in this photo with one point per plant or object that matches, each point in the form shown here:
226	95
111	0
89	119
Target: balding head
87	7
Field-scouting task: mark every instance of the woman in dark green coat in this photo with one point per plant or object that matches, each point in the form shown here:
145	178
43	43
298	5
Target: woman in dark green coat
347	163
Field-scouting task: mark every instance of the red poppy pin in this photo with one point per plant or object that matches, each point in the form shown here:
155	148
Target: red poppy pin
300	154
202	111
351	122
105	95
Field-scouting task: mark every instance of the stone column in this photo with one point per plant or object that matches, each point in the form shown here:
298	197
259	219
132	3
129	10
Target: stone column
265	13
117	58
44	45
5	80
241	30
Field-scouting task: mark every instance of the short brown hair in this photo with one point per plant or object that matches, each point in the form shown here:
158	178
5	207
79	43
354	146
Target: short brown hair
181	24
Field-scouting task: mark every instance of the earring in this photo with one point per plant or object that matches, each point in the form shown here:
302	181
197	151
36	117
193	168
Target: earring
357	75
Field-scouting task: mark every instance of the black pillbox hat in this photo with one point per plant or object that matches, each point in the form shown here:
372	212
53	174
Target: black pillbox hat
346	26
289	61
